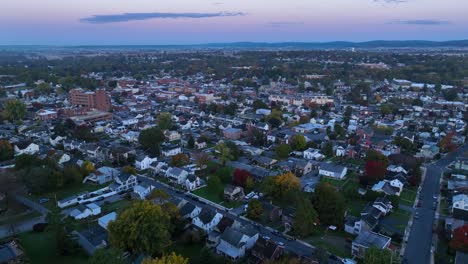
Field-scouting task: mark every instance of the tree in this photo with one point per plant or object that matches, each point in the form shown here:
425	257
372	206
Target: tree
375	255
254	209
282	151
375	171
150	139
44	88
459	241
179	160
107	256
330	204
385	109
167	259
225	174
259	104
15	110
405	144
88	167
327	149
143	228
223	152
190	142
159	194
240	177
214	185
6	150
282	186
306	218
446	143
164	121
202	159
129	169
298	142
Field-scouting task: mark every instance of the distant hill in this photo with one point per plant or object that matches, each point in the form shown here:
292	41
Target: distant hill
375	44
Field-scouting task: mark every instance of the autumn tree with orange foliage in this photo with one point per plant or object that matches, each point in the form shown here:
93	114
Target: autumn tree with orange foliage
459	241
279	187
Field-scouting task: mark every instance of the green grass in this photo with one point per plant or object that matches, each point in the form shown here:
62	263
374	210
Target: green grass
190	251
401	215
41	248
117	206
206	193
316	241
408	197
355	207
333	182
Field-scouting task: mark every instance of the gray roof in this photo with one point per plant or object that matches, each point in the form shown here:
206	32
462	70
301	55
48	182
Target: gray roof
331	167
232	236
371	239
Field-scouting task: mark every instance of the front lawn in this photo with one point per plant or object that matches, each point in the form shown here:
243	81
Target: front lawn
208	194
42	248
67	191
407	197
116	206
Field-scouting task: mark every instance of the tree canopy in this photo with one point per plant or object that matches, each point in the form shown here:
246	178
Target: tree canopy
15	110
142	228
151	139
164	121
330	204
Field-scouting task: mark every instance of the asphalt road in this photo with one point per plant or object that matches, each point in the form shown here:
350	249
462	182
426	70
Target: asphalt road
297	247
418	248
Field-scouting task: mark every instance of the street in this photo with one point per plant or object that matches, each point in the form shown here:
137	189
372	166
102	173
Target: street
419	245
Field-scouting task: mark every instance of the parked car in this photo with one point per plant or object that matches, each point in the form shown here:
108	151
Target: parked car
43	200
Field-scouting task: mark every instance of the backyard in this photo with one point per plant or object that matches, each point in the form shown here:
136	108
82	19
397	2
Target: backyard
214	196
40	252
407	197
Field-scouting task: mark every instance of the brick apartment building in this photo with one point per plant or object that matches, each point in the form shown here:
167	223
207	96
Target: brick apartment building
92	100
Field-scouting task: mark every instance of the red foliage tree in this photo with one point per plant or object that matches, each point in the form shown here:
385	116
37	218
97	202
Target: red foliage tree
375	171
446	143
240	177
460	239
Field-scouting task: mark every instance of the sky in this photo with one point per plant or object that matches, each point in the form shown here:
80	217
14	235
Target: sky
146	22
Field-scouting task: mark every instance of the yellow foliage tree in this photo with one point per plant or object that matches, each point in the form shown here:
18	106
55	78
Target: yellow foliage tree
169	259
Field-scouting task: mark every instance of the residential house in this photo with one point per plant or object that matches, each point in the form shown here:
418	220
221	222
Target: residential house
102	175
11	252
123	183
393	187
189	210
265	251
172	135
460	206
192	182
84	211
367	240
143	162
104	221
26	147
207	219
232	133
142	190
171	150
333	171
177	175
235	241
233	193
313	154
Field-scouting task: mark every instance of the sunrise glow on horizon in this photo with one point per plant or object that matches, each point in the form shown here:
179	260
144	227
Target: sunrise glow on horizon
107	22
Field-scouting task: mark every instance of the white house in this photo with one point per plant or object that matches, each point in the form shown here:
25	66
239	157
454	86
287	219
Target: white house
143	190
233	243
102	175
171	151
172	135
207	220
84	211
55	141
27	148
312	154
143	162
200	145
394	187
460	201
192	182
64	158
189	210
340	152
177	175
123	183
332	171
105	220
